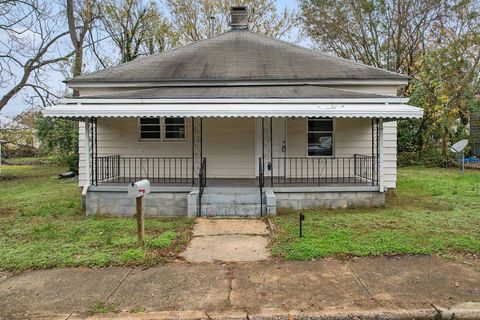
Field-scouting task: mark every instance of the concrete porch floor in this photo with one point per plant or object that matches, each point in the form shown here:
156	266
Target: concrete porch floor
247	183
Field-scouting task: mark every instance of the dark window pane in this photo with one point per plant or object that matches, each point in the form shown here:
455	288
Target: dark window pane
174	135
175	121
320	144
320	125
315	150
319	138
150	128
149	120
150	135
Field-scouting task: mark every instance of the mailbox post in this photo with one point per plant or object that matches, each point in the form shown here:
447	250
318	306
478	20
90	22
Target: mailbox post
138	190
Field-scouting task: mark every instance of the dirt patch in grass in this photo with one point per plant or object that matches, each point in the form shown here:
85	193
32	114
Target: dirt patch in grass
6	211
8	178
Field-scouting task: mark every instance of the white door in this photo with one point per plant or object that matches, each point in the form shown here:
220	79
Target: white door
279	144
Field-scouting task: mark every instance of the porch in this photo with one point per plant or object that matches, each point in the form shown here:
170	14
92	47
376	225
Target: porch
246	162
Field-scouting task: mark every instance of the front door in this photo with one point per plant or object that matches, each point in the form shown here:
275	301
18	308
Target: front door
279	144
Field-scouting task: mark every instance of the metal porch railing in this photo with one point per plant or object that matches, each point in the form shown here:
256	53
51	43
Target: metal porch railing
332	170
119	169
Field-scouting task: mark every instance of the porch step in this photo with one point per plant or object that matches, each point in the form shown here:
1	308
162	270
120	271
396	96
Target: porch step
241	202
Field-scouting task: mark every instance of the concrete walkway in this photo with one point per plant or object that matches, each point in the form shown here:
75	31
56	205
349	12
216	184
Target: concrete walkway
402	287
228	240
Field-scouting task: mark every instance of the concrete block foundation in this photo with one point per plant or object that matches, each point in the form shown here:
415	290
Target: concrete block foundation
155	204
185	203
332	200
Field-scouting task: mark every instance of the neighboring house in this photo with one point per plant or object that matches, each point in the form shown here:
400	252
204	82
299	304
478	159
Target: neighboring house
238	124
7	123
20	138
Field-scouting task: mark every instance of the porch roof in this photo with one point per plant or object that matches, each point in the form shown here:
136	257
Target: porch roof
292	91
389	108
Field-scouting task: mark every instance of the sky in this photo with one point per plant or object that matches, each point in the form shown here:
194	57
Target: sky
18	104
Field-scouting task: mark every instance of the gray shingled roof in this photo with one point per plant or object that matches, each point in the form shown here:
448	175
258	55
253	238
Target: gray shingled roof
238	55
210	92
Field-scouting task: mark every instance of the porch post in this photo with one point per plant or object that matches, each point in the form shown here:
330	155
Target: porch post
267	147
93	152
197	146
380	155
87	152
373	152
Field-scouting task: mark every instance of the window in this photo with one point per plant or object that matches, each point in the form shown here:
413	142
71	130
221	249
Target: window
320	138
149	128
166	129
174	129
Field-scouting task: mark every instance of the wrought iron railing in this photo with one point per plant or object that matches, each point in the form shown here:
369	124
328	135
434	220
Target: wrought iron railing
366	168
118	169
305	170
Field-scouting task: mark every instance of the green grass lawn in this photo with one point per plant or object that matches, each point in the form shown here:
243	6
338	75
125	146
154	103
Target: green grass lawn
42	225
433	211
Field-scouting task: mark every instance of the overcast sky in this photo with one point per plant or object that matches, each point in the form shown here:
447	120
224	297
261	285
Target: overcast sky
17	105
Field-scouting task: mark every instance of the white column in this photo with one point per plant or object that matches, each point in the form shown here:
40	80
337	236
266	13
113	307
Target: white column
381	159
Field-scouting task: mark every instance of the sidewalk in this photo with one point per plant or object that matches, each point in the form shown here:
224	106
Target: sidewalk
382	285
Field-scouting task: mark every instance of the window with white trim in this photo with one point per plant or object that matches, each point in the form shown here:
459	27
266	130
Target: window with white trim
161	129
320	137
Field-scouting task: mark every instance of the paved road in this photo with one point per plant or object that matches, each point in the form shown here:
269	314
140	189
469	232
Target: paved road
364	284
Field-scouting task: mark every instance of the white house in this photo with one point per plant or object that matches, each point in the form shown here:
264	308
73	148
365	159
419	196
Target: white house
237	124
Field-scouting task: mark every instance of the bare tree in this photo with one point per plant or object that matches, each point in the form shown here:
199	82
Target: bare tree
79	20
136	28
390	34
193	19
30	42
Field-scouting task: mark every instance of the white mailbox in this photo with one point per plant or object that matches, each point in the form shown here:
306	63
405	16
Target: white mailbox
139	189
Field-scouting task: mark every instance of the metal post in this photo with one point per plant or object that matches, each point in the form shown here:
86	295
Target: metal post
373	152
96	153
271	152
301	219
87	152
193	151
380	156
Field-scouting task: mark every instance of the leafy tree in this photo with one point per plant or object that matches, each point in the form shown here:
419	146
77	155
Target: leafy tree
59	138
